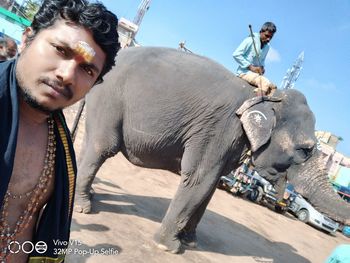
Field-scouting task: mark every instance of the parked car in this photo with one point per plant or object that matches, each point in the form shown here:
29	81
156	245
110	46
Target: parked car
308	214
344	192
249	183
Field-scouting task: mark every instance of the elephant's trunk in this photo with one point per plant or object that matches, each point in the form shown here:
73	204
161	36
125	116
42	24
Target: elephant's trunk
311	181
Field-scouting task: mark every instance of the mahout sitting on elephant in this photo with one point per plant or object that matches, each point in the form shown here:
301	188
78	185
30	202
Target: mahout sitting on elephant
167	109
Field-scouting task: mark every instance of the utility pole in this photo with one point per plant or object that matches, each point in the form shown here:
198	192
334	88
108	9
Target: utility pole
127	30
142	9
293	73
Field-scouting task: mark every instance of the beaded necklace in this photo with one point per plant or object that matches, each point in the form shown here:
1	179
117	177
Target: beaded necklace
35	195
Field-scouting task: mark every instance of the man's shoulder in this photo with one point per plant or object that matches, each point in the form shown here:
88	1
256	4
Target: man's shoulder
3	75
248	40
245	43
4	65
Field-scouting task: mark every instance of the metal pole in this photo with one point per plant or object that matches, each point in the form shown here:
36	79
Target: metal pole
77	118
257	54
256	51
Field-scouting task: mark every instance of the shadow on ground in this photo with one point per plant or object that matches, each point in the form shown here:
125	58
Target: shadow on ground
79	252
216	233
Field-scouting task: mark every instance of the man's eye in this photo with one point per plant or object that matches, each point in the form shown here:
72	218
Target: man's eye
61	50
88	70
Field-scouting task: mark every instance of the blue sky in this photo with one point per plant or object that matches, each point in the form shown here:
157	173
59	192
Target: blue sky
215	28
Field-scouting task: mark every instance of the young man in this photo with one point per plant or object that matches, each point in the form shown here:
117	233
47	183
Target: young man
8	48
69	47
251	60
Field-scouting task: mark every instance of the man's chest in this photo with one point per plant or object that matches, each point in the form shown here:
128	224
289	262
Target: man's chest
31	171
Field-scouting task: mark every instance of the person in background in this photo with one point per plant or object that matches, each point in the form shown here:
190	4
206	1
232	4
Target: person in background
8	48
69	47
251	59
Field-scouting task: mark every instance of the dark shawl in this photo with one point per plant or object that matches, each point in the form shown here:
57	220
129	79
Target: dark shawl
54	225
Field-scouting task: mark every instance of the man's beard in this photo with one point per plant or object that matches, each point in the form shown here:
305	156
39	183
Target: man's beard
30	99
32	102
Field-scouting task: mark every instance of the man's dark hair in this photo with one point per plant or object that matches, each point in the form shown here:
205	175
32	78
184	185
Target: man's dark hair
93	16
268	26
4	41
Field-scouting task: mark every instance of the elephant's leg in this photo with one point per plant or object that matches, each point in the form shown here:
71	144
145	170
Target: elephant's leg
99	144
200	170
188	235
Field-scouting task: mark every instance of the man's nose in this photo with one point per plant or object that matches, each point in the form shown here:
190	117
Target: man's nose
66	71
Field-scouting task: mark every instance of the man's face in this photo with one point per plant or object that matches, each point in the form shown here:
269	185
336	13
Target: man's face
265	37
11	48
3	52
52	72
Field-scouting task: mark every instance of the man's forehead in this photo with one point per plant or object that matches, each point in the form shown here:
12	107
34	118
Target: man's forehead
79	47
12	45
85	50
78	39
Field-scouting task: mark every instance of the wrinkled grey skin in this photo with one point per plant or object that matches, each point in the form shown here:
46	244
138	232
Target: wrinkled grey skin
310	179
167	109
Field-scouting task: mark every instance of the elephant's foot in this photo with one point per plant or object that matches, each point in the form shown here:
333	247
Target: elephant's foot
171	244
82	205
188	239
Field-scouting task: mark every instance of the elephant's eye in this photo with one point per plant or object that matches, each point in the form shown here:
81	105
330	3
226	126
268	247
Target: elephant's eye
305	153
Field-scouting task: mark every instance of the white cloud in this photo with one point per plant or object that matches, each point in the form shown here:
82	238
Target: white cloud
273	56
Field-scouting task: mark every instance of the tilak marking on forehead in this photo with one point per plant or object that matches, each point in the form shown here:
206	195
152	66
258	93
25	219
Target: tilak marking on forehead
85	50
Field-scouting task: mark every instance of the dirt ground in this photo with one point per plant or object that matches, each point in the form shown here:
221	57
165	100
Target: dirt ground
130	202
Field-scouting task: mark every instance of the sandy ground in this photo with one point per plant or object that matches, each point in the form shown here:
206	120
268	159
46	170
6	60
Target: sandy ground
130	202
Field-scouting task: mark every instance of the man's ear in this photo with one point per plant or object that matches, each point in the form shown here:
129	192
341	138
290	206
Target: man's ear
26	33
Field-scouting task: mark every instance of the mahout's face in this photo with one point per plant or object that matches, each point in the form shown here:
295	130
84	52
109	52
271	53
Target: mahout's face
59	66
266	36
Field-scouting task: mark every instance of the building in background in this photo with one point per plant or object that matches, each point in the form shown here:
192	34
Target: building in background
12	25
127	30
337	164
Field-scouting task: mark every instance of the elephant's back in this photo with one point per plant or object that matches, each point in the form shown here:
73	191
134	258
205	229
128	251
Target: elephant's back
174	70
154	75
164	96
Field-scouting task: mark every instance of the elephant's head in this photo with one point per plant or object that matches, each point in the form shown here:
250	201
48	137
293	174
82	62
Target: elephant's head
280	131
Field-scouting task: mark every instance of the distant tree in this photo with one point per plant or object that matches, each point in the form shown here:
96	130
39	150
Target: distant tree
30	8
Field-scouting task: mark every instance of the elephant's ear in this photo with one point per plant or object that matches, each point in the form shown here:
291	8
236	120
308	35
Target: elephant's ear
258	119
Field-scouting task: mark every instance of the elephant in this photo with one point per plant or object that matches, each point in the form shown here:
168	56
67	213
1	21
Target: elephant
310	179
168	109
